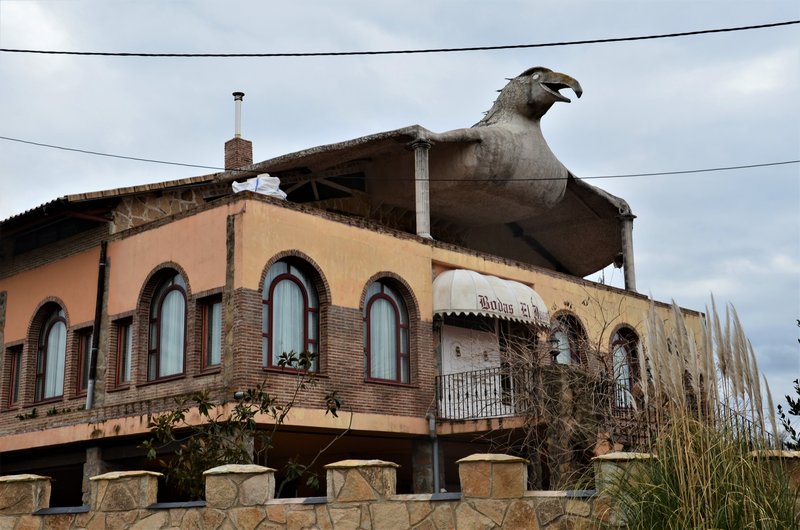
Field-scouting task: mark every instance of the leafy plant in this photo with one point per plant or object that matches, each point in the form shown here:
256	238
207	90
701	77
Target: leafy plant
228	434
793	438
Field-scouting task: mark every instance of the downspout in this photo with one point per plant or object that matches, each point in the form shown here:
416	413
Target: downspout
98	314
435	449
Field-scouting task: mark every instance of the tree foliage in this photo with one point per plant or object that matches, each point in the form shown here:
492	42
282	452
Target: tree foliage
229	434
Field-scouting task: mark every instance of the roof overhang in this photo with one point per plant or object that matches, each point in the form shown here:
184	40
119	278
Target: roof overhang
461	291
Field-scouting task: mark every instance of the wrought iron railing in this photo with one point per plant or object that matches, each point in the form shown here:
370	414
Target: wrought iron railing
487	393
507	391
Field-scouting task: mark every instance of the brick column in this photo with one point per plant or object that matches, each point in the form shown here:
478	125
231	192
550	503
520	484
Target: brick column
486	475
239	485
23	494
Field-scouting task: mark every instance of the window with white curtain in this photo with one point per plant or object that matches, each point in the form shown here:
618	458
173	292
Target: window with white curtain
290	316
624	353
569	339
51	356
386	335
167	334
124	351
212	332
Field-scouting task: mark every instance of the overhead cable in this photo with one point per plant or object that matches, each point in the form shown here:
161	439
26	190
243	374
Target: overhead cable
253	171
403	52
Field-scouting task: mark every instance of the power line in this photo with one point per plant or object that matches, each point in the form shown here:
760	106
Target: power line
595	177
406	51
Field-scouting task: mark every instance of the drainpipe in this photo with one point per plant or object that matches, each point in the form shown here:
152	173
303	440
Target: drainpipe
435	448
98	313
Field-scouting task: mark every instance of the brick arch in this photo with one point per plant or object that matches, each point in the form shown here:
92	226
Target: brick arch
317	276
622	327
41	311
155	276
582	337
403	287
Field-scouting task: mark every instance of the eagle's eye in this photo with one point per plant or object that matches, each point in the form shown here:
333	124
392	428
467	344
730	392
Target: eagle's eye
535	76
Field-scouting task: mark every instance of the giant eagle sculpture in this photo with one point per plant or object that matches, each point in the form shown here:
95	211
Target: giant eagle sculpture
494	187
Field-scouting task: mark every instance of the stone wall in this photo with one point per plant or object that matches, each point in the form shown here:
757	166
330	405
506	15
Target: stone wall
360	494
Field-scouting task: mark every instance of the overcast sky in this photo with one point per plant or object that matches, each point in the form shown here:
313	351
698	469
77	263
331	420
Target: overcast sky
705	101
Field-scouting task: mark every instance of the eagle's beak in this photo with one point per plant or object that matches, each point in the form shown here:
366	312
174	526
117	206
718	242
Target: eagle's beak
552	82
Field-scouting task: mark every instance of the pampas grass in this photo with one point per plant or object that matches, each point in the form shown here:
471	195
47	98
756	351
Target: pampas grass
706	397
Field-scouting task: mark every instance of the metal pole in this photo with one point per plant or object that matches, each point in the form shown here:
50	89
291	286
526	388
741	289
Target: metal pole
98	314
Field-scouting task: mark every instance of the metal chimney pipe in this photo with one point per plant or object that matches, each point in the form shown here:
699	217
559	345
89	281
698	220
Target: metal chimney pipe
237	100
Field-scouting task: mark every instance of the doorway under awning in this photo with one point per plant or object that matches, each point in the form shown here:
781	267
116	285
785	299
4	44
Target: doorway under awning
462	291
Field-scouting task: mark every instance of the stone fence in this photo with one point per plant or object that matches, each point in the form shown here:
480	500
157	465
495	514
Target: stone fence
360	494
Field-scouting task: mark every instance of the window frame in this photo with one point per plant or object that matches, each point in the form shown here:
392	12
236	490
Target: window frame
626	339
163	289
311	315
403	348
14	359
207	307
84	340
53	317
570	327
124	352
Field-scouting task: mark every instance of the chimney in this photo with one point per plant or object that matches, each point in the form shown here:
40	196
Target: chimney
238	151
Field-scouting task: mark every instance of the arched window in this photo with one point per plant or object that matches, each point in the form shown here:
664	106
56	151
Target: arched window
568	339
51	355
290	317
167	337
624	346
386	335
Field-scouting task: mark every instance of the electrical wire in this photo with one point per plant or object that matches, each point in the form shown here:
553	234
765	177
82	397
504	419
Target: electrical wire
406	51
595	177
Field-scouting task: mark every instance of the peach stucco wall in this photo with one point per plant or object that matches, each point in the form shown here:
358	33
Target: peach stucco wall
196	243
348	256
72	280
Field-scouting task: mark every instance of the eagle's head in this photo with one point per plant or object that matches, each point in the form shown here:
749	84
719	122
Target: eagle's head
544	85
531	94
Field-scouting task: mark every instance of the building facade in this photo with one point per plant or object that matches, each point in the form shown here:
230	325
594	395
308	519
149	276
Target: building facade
186	285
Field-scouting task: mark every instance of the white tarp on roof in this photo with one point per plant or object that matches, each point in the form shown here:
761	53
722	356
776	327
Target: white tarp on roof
263	184
462	291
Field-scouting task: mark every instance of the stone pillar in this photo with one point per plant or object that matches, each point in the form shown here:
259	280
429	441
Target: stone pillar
785	462
485	475
235	485
612	467
122	491
93	467
422	201
361	480
23	494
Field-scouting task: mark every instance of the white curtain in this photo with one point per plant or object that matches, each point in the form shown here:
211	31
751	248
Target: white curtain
288	319
56	355
564	350
125	369
214	334
383	340
172	326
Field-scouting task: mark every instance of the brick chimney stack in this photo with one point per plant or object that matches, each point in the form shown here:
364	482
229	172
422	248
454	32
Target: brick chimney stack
238	151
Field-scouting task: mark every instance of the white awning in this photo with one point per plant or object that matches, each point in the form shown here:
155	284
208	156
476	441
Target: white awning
462	291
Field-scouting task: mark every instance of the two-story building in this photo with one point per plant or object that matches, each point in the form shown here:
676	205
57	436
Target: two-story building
416	266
